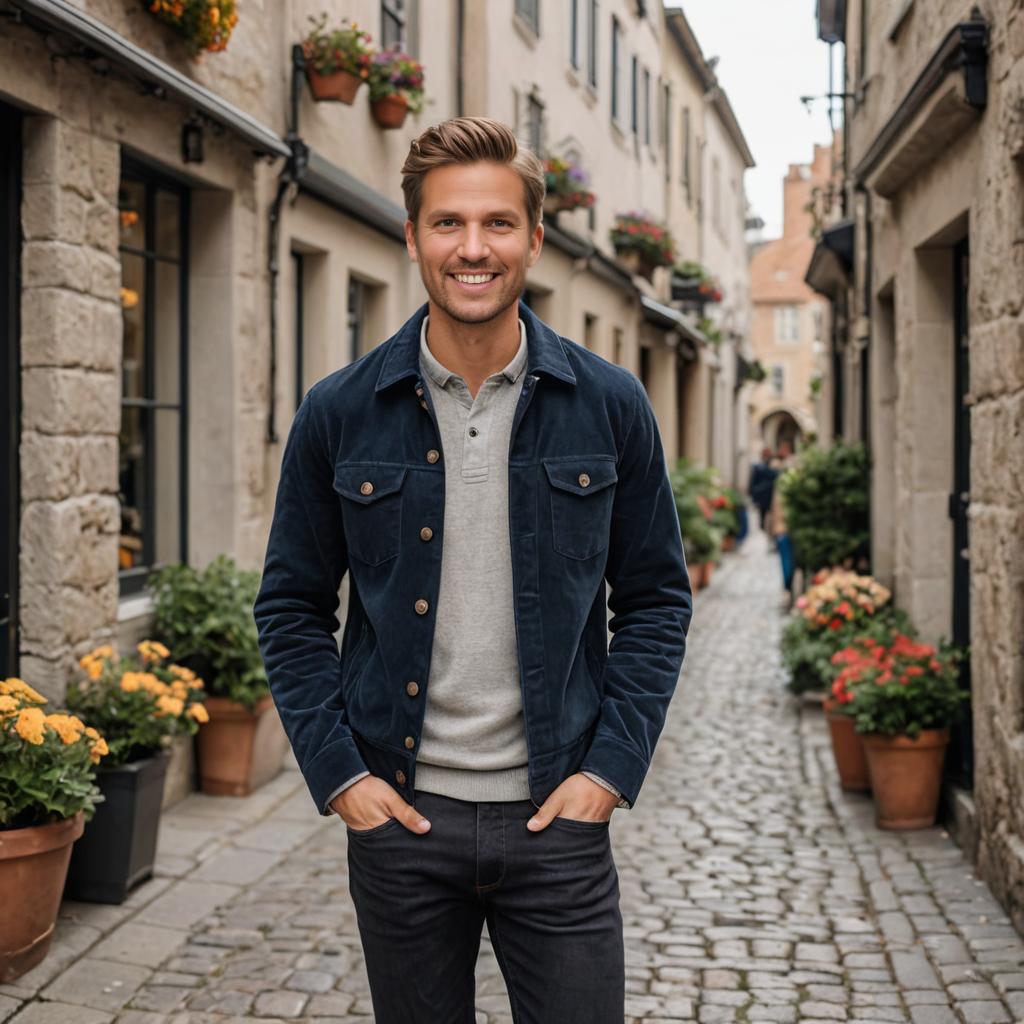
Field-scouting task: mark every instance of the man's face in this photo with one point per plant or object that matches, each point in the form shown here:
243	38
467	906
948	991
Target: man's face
472	240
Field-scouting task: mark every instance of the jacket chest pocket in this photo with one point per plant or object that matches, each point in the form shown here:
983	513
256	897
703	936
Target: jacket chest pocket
582	492
371	506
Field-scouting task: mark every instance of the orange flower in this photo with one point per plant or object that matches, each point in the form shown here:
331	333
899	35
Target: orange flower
31	725
199	713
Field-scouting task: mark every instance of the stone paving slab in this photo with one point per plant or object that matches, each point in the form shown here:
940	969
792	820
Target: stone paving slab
753	889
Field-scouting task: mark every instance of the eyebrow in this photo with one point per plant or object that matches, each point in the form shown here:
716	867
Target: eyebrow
506	214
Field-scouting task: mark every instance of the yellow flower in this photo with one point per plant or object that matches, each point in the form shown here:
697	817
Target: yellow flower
170	705
68	727
92	733
199	713
152	650
8	705
31	725
130	682
181	672
19	688
196	684
151	684
99	748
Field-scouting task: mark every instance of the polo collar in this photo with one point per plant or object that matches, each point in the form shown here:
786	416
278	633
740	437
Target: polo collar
545	353
440	374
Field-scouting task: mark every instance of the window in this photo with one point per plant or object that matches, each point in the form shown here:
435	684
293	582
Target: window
152	477
818	321
645	368
392	23
686	168
647	106
592	45
574	34
535	123
590	331
787	325
618	346
778	380
356	318
666	128
616	42
529	11
634	118
298	280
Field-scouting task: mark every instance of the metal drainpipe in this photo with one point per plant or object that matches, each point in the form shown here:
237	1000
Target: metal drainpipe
289	175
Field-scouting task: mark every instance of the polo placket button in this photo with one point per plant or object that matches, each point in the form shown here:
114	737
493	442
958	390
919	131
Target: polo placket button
433	455
422	607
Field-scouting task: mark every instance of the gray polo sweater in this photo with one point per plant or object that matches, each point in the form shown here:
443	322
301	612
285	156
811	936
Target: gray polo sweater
473	744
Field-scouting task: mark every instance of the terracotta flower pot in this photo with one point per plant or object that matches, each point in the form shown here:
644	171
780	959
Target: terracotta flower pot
33	866
390	111
906	776
238	750
847	749
335	87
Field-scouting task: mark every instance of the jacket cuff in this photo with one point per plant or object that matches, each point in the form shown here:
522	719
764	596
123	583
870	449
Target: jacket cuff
607	785
342	788
619	764
340	759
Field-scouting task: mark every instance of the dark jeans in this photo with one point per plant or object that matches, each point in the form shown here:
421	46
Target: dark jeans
550	899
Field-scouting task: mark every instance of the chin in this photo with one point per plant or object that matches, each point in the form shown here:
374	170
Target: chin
469	312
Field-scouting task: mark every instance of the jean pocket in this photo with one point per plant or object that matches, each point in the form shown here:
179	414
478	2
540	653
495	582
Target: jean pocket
371	507
582	493
383	826
580	823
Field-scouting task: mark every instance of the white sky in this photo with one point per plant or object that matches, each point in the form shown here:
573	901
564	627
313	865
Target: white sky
769	56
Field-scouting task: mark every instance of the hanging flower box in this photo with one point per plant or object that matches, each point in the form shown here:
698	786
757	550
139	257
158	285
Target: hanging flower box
205	25
641	244
396	87
337	60
693	282
565	183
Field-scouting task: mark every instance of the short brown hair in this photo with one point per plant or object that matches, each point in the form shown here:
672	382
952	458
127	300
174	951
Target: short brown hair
465	140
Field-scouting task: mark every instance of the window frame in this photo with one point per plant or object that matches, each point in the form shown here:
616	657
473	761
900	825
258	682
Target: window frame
528	12
394	13
134	581
574	34
592	44
616	42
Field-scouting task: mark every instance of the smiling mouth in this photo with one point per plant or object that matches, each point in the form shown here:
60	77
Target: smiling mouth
474	281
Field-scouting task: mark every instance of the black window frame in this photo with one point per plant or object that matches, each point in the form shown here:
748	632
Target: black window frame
299	292
592	47
355	316
647	106
133	581
634	110
616	34
393	17
10	349
686	168
528	11
574	34
535	123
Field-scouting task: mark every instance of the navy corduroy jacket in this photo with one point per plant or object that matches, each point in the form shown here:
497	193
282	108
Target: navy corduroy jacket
590	504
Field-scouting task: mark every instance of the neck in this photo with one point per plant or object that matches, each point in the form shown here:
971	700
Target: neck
474	351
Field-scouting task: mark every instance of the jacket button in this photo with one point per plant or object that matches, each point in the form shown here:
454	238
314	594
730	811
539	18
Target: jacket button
366	488
412	689
422	607
426	533
400	777
433	455
584	480
409	743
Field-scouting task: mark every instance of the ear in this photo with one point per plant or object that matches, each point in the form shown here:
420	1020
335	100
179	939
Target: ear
536	243
410	241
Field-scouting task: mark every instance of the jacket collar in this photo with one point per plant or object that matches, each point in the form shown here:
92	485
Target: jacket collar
545	353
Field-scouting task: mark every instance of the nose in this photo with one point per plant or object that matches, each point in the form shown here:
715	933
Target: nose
473	247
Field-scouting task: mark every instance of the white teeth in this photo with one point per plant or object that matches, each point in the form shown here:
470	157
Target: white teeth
473	278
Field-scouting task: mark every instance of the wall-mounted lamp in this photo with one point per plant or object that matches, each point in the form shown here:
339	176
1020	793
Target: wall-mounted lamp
192	141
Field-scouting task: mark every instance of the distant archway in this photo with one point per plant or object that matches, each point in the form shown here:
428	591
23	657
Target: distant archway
779	426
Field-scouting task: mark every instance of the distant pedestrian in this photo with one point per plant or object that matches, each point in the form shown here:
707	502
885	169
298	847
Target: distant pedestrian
762	483
777	519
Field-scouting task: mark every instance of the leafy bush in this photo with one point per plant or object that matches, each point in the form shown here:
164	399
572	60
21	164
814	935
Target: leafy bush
694	489
342	48
138	704
898	686
205	617
825	498
47	761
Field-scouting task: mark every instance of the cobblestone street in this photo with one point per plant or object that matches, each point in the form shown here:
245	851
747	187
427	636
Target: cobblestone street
753	889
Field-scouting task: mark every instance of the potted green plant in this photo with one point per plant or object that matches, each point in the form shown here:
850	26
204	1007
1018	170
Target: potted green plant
640	243
396	87
903	696
205	617
47	792
205	25
138	704
337	60
566	186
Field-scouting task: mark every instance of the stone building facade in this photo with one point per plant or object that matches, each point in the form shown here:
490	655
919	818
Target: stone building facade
188	245
929	369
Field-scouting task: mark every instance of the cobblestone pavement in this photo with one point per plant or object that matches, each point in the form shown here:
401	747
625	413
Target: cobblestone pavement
753	889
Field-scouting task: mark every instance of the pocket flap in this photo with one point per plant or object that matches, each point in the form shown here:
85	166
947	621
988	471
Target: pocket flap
351	481
581	476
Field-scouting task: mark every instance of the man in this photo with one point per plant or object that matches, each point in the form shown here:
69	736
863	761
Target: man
480	478
762	483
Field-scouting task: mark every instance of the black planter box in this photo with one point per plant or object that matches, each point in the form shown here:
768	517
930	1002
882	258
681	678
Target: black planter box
118	847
